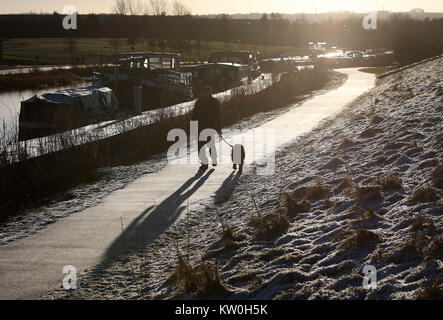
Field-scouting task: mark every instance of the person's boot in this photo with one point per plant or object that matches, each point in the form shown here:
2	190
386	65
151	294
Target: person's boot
240	168
203	167
234	166
214	164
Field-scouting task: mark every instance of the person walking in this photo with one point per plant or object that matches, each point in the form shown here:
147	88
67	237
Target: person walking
208	114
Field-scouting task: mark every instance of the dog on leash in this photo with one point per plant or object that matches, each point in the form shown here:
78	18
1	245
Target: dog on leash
238	157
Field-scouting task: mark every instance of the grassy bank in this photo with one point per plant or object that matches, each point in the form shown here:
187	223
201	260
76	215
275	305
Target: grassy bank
365	187
377	70
29	182
37	79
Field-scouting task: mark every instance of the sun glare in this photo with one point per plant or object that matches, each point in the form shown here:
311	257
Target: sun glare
334	5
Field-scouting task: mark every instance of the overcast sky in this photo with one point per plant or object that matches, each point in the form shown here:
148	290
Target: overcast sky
231	6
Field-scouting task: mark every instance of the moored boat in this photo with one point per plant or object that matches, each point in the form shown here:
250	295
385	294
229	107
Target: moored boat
58	111
147	80
225	70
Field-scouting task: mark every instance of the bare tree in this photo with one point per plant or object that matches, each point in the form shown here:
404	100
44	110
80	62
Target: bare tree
120	7
159	7
180	9
132	7
135	7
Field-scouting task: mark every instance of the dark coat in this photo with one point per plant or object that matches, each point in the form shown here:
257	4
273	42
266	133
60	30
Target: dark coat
208	113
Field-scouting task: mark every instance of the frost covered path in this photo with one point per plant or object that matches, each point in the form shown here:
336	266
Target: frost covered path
146	208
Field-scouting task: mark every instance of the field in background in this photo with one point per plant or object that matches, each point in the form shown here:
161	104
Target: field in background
88	50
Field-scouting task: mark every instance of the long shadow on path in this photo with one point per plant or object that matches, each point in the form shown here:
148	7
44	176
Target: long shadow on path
227	188
155	220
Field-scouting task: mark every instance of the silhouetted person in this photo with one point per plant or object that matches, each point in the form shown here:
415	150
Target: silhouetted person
207	113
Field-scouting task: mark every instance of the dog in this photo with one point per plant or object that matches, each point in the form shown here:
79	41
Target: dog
238	157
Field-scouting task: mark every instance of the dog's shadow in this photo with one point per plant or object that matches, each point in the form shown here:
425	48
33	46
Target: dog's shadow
227	188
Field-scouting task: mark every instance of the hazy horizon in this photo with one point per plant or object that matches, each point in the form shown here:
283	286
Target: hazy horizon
202	7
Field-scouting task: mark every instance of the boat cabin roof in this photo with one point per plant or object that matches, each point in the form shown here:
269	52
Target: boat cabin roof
145	55
67	95
225	65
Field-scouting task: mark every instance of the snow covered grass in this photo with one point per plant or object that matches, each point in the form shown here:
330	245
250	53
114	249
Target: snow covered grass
200	281
363	188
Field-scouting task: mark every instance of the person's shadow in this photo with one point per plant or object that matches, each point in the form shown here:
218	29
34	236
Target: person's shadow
227	188
156	219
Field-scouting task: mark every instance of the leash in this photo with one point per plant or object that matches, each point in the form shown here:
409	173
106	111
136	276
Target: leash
226	142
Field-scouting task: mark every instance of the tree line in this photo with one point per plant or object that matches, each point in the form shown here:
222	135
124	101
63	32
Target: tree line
151	7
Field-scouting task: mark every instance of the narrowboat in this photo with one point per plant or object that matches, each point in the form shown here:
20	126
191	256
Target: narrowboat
146	80
225	70
63	110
